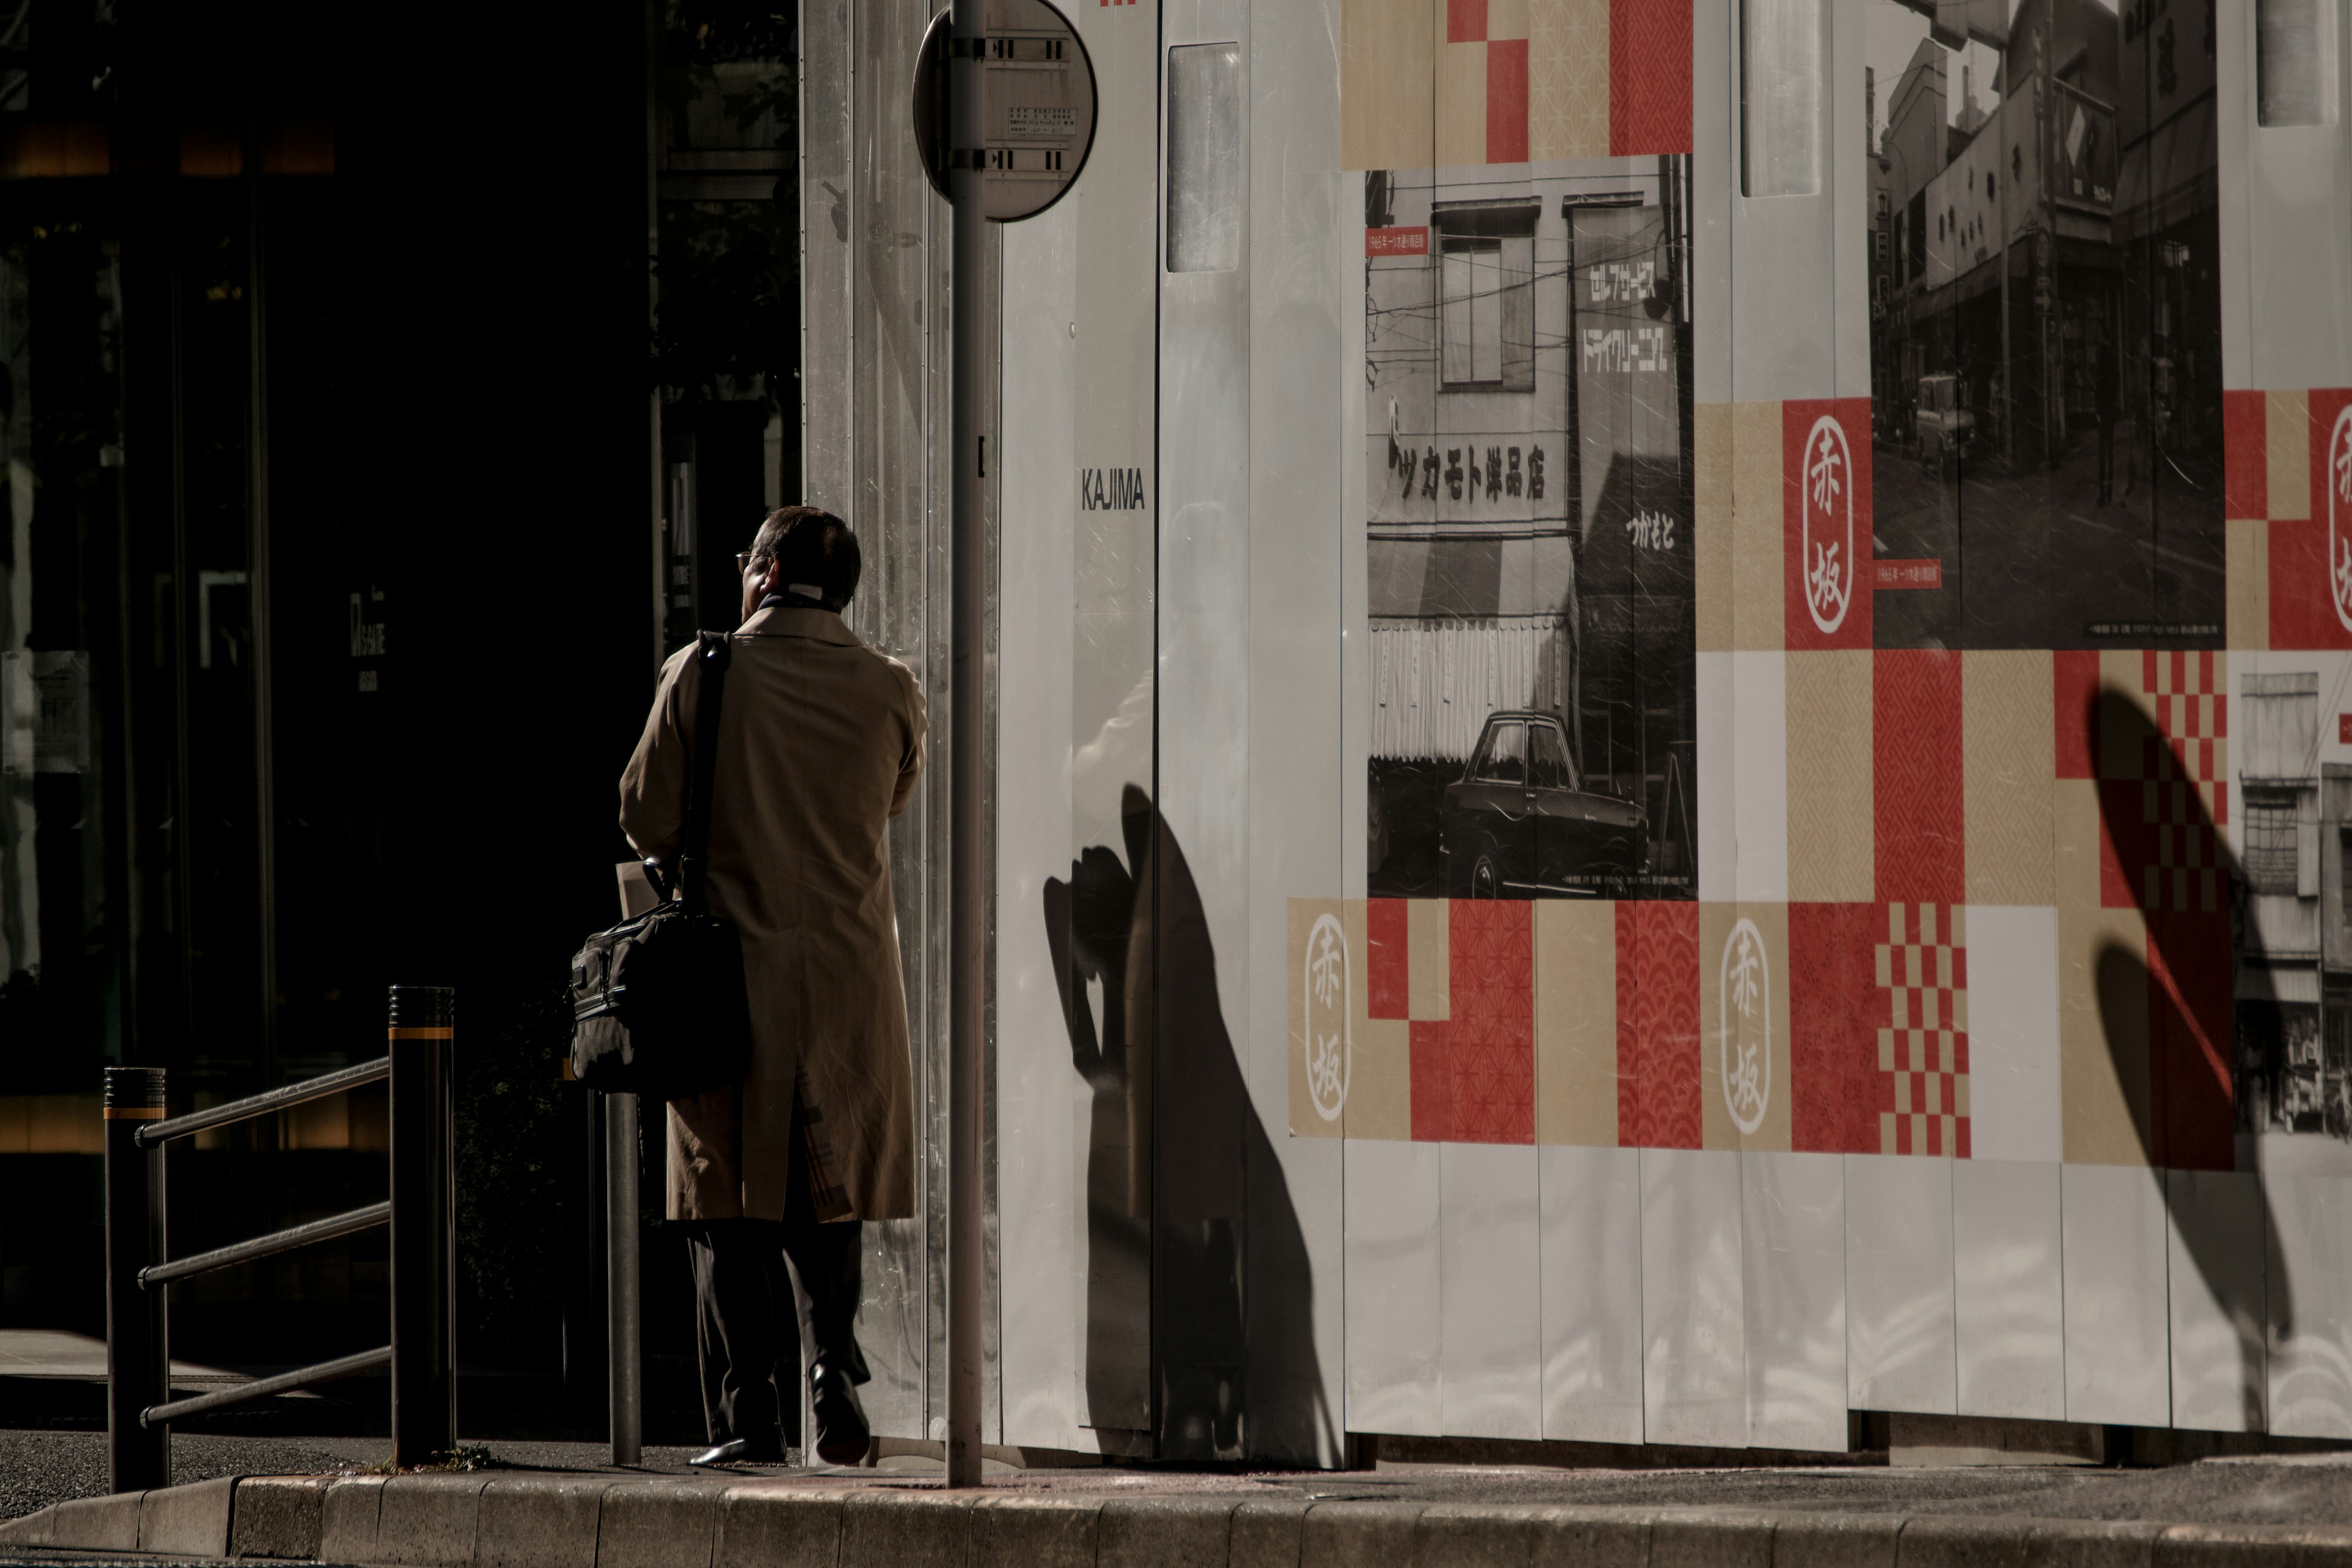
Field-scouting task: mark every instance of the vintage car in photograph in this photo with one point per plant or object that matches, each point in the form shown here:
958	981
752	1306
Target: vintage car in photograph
1942	421
1520	822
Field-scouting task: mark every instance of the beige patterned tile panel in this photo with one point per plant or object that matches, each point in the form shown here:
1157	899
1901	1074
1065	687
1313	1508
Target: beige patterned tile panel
1743	1026
1757	538
1831	858
1385	84
2288	443
2102	1063
1568	79
1576	1022
2009	759
2248	567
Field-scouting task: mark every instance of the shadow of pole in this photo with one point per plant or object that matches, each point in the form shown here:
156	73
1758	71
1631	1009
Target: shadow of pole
2166	1013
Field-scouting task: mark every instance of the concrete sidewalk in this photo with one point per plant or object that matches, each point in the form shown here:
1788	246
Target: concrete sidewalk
2215	1514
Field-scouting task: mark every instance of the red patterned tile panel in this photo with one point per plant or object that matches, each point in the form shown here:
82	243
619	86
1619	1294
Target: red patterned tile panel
2310	579
1507	101
1388	972
1649	77
1658	1026
1825	488
1917	776
1923	1049
2189	1033
2074	709
1490	1041
1433	1083
2245	455
1833	1007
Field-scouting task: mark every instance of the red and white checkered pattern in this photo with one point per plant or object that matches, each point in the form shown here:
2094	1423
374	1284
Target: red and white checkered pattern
1922	1045
2184	789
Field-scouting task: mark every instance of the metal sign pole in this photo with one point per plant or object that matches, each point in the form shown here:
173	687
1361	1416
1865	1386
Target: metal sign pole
1003	124
625	1370
967	907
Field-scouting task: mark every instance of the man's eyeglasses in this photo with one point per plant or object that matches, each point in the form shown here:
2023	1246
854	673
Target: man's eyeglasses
743	559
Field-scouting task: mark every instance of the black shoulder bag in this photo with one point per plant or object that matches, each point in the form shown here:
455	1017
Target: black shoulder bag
658	1007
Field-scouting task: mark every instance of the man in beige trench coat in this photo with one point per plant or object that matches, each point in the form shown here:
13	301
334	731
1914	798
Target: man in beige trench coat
819	743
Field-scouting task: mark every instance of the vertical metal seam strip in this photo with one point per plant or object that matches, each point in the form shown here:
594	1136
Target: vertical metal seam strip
265	795
653	41
183	762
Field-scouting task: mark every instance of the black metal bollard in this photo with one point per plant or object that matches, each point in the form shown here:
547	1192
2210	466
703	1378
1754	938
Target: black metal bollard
138	1347
423	1225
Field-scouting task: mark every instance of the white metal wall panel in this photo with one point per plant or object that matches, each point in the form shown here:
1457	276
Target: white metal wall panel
2233	111
1759	776
1850	134
1898	1281
1490	1339
1694	1357
1719	808
1714	61
1781	259
2298	205
1590	1225
2009	1310
2215	1270
2013	1096
2310	1305
1041	1104
1299	210
1392	1273
2118	1359
1793	1252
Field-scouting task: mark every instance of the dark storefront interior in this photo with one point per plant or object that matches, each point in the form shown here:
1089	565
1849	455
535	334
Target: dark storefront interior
332	585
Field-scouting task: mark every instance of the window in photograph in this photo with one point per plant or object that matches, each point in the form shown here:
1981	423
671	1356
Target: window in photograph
1783	60
1486	318
2270	841
2294	61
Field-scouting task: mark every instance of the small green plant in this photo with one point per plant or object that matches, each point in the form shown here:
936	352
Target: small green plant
465	1457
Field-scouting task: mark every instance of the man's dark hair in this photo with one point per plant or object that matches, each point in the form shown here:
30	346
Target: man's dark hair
815	550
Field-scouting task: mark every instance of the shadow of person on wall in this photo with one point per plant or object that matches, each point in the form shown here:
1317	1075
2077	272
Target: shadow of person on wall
2168	1013
1210	1342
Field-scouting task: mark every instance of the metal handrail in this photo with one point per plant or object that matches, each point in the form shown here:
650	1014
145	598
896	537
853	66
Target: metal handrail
261	1388
420	1211
162	1274
262	1104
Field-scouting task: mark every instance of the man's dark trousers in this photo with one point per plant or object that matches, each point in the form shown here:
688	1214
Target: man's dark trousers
744	1309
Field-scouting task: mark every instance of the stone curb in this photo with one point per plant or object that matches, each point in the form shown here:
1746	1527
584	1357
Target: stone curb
518	1521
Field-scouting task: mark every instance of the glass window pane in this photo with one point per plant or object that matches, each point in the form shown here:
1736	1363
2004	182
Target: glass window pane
2294	65
1547	762
1784	46
1204	158
1454	329
1517	256
1506	761
1485	315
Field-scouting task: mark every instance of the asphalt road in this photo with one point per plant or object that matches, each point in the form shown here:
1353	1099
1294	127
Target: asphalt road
2031	557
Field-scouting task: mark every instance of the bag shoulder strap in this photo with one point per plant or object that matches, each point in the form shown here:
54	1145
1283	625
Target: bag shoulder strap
693	858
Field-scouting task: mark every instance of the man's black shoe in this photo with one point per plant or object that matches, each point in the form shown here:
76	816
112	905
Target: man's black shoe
841	1435
738	1451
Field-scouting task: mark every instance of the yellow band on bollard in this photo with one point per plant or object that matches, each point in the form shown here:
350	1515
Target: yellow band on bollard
132	1112
444	1033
